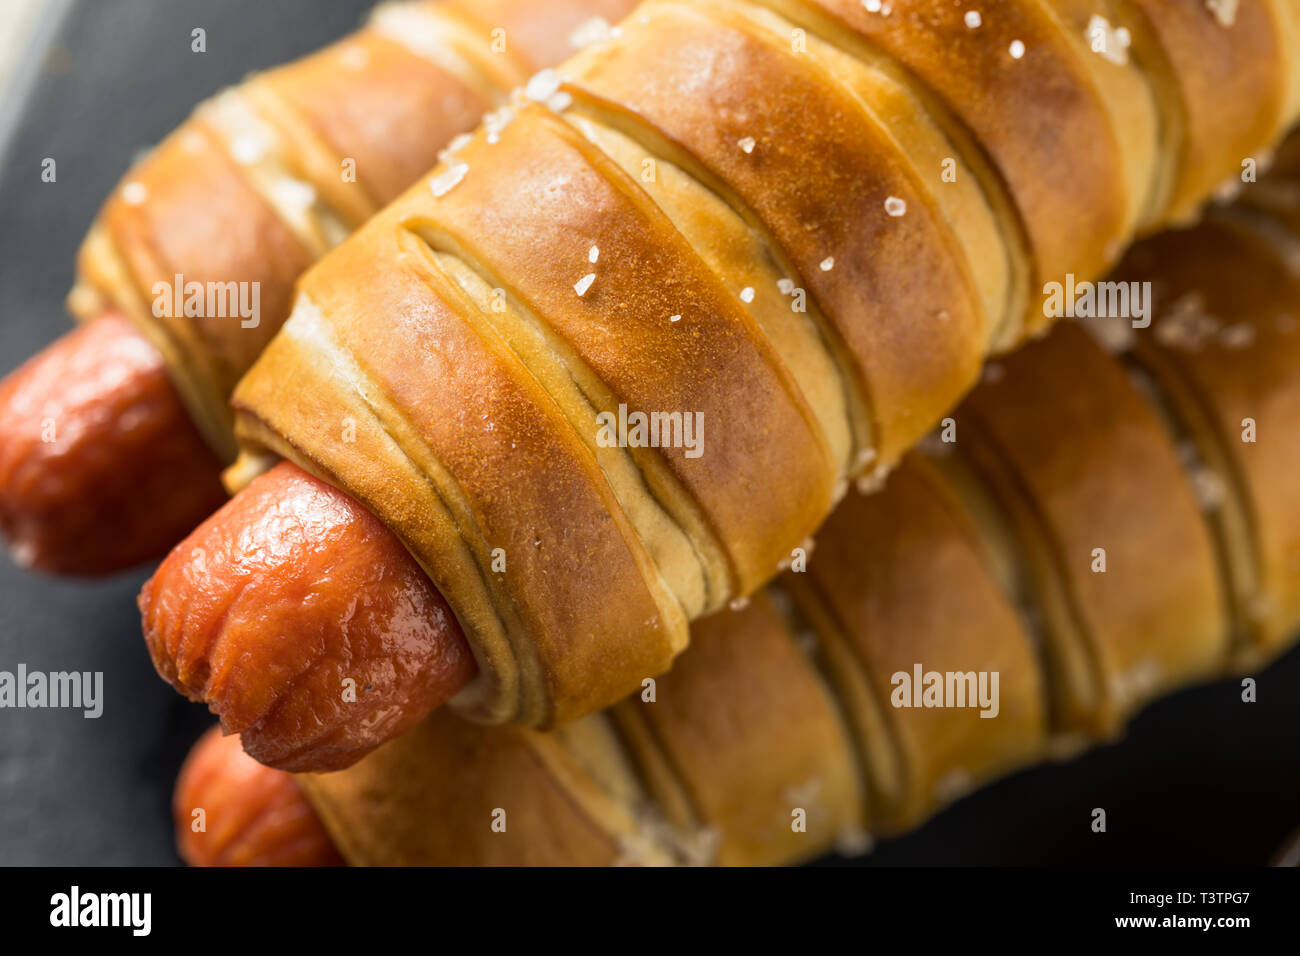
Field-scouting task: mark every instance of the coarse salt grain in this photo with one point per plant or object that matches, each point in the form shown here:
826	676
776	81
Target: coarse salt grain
675	318
294	193
591	31
134	193
1209	488
494	123
1224	11
583	284
447	180
543	85
747	294
895	206
872	481
249	148
746	144
594	254
785	285
973	19
1017	49
827	264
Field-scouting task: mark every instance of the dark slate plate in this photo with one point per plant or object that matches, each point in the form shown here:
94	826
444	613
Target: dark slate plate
1201	777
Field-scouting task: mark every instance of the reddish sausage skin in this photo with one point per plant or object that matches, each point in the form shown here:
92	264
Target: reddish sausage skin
100	465
304	624
231	810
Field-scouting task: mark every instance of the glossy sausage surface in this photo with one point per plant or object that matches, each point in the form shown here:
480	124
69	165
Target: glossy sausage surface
100	465
304	624
231	810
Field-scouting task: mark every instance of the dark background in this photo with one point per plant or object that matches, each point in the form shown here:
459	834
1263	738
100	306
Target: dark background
1201	778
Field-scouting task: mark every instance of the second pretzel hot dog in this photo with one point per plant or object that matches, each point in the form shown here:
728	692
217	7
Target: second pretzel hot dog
262	179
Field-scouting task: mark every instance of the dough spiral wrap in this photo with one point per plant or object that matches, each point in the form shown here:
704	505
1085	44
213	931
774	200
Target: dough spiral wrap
976	556
633	234
267	176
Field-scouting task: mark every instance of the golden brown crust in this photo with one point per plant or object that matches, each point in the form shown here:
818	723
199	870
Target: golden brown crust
150	223
1038	117
905	583
1224	82
536	34
1288	15
1103	39
282	167
533	268
746	732
730	247
505	506
738	734
231	160
518	799
373	101
743	733
1223	349
370	99
1124	565
895	291
759	452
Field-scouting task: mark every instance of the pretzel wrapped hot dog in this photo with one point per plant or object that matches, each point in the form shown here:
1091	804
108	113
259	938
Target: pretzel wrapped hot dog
804	229
199	248
1104	529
